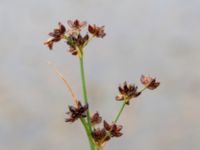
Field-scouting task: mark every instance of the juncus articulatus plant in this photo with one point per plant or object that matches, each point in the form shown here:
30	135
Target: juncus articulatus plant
76	41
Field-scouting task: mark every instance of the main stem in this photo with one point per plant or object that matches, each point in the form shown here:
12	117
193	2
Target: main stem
92	146
84	89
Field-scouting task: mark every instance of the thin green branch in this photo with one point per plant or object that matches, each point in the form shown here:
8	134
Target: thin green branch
144	88
123	106
120	112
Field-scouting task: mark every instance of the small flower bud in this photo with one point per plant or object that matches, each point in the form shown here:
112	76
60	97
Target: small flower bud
96	119
76	24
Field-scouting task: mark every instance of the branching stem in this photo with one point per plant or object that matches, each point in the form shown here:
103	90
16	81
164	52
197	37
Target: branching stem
123	106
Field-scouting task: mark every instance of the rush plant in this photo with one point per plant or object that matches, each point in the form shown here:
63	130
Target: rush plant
76	41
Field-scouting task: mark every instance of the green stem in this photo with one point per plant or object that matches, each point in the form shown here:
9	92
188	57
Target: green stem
84	89
87	126
123	106
83	80
92	146
85	92
144	88
120	112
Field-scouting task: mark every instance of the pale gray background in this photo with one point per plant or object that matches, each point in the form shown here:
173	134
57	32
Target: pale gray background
155	37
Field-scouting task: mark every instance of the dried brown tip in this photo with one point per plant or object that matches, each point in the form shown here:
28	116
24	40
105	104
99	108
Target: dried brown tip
69	88
49	42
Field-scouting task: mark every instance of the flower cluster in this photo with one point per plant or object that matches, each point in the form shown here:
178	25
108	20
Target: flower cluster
149	82
106	133
76	112
113	129
56	35
129	91
96	31
73	36
102	135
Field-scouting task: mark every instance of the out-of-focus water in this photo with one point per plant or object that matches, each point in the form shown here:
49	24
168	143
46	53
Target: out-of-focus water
158	37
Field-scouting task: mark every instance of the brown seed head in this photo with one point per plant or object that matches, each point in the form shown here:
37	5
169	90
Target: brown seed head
76	24
99	135
80	41
76	112
77	42
96	118
149	82
113	129
127	92
97	31
56	35
73	51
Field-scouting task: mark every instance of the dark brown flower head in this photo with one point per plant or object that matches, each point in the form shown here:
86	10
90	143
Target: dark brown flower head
76	24
113	129
127	91
97	31
59	31
149	82
76	112
73	51
81	41
100	135
77	42
56	35
96	118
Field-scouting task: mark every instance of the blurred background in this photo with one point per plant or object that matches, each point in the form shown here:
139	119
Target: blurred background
158	38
